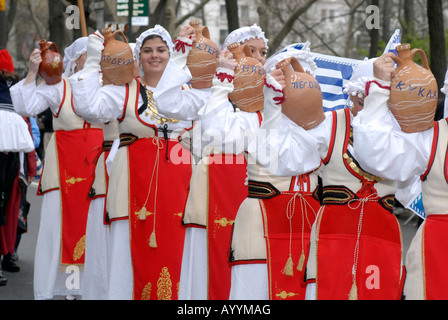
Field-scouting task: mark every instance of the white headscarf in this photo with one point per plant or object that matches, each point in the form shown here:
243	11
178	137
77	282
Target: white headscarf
298	50
245	33
72	53
361	75
157	30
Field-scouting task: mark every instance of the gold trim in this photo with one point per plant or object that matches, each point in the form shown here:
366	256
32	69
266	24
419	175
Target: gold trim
79	248
164	285
284	295
224	222
153	112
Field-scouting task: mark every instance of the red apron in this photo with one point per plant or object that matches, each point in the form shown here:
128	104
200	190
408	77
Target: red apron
76	151
435	257
377	259
288	218
226	176
157	268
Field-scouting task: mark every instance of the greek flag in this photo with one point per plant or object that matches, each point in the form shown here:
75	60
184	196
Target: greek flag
332	73
394	41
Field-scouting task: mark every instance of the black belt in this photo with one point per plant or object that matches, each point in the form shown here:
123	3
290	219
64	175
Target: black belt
340	195
262	190
265	190
107	145
126	139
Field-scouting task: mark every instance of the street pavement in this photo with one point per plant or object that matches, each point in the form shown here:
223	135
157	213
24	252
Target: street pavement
20	284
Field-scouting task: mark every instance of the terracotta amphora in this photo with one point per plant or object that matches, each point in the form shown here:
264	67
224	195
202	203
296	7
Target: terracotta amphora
303	96
249	79
117	60
414	91
51	67
203	58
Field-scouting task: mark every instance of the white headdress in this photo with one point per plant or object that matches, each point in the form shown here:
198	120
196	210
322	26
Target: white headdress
245	33
362	74
72	53
157	30
298	50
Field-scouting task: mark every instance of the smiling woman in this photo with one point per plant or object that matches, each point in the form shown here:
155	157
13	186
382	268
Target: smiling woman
148	187
154	57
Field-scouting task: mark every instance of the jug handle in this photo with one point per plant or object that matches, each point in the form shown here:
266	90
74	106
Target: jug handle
122	34
206	32
296	65
50	44
397	59
422	55
248	51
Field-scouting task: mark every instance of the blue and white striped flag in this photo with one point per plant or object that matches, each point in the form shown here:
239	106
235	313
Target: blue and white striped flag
394	41
332	73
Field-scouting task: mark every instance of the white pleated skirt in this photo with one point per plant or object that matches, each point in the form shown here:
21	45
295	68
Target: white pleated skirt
194	273
249	282
121	279
96	267
50	278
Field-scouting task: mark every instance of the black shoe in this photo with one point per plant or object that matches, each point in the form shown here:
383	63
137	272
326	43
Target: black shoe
9	265
3	280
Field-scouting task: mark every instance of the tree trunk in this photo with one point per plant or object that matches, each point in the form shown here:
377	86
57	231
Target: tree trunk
374	35
437	43
233	21
263	14
408	23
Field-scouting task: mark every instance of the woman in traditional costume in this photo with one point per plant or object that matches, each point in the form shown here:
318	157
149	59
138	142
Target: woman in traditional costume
65	182
151	170
349	253
401	156
15	139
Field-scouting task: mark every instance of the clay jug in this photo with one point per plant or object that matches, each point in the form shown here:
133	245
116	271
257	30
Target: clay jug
414	91
303	96
249	79
117	60
51	67
203	58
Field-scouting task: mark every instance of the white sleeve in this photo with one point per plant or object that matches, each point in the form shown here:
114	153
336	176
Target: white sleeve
175	102
380	146
282	146
96	103
30	100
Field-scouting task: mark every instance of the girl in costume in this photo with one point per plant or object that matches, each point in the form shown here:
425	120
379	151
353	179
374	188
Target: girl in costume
400	156
346	241
151	170
65	181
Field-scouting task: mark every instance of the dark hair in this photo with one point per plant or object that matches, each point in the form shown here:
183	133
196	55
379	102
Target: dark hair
153	36
7	75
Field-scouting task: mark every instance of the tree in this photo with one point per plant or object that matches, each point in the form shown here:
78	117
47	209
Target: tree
437	43
6	22
276	40
232	15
